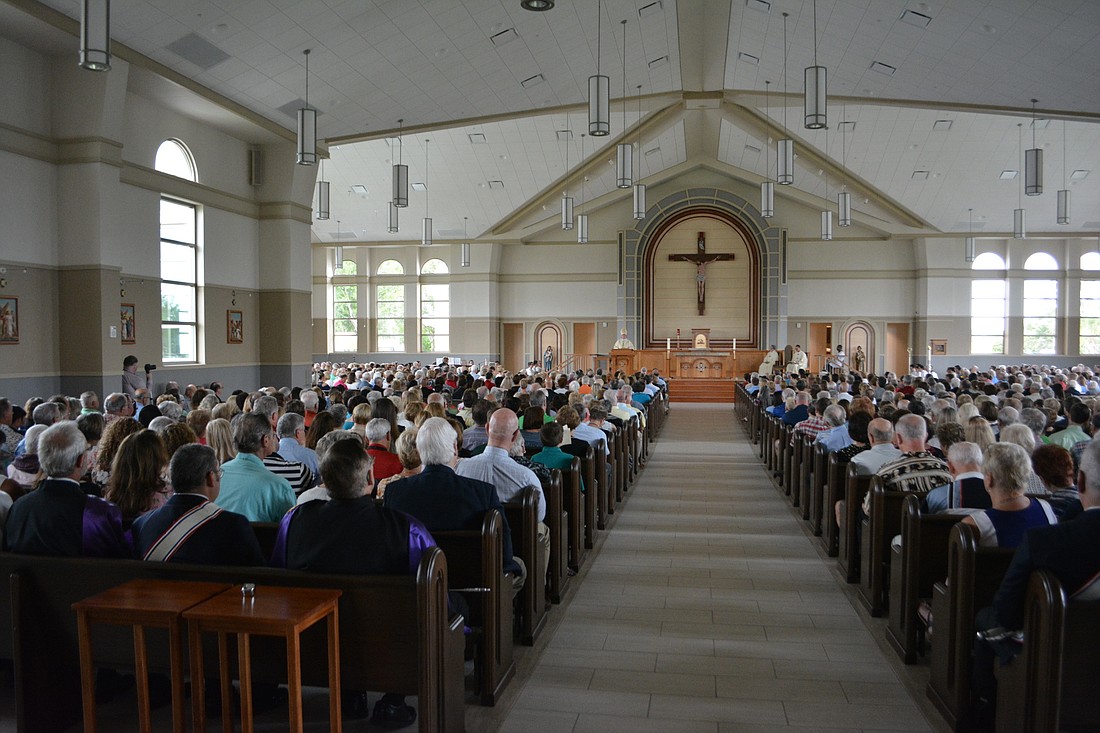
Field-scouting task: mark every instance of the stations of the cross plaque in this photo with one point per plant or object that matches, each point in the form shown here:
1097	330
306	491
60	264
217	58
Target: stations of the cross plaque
701	259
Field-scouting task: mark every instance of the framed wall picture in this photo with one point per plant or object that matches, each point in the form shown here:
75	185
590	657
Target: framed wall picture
939	347
234	327
129	323
9	319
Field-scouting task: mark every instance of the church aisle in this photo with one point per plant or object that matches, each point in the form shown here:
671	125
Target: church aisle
709	609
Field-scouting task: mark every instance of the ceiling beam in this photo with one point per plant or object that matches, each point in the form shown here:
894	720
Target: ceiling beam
702	37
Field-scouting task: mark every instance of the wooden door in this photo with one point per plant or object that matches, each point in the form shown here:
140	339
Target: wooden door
897	343
584	344
512	347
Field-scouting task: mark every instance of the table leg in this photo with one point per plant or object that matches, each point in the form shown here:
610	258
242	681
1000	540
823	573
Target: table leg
244	659
141	677
226	683
87	671
198	678
175	662
335	721
294	679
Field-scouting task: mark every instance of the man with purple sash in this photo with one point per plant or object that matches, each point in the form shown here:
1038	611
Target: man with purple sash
58	518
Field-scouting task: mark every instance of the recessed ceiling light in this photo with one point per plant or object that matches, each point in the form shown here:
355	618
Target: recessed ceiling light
532	81
752	149
392	141
418	186
847	126
565	135
1008	175
650	9
920	20
1079	175
658	62
653	151
883	68
761	5
496	185
359	189
990	29
477	138
1040	123
942	125
748	58
537	6
505	36
920	175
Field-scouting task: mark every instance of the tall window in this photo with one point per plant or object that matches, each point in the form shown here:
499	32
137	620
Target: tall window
987	308
345	311
1040	307
179	287
390	304
1089	341
435	309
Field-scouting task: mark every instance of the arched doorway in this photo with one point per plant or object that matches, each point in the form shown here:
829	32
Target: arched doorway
548	333
862	335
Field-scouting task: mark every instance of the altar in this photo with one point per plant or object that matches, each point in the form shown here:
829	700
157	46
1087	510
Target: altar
703	364
686	363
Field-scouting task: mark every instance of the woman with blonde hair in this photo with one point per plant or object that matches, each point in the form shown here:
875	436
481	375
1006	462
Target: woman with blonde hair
219	436
978	431
360	416
409	457
138	481
1007	468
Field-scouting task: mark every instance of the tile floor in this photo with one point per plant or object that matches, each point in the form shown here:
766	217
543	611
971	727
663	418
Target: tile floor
708	608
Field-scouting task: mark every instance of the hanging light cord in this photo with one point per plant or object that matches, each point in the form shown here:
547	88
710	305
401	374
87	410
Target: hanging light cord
426	141
400	141
306	53
624	76
599	35
1033	123
1020	193
768	115
815	32
1063	153
784	74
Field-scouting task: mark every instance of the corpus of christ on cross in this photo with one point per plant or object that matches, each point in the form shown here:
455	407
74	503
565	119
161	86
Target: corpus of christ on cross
701	259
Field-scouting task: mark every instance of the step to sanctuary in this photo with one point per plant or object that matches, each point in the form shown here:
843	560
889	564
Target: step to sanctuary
686	389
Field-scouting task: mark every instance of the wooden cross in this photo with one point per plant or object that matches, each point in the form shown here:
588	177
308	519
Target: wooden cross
701	259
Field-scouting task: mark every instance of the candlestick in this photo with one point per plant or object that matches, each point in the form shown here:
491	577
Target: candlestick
668	344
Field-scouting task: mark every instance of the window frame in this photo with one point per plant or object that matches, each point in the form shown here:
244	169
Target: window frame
194	285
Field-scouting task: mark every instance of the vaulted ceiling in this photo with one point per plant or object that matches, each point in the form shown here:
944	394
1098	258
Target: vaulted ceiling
936	96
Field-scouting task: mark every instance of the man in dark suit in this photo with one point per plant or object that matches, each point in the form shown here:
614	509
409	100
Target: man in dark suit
58	518
442	499
190	528
1071	550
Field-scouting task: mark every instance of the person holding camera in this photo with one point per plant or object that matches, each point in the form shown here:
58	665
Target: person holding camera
131	381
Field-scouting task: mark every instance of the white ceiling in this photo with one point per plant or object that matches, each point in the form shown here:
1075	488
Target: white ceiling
435	64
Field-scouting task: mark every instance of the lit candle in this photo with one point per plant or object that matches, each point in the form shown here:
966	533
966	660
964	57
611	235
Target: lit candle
668	344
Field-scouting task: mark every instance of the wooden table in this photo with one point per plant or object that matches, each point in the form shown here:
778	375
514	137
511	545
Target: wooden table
271	611
140	603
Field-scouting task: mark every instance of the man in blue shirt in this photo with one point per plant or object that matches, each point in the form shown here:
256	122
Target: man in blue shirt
248	488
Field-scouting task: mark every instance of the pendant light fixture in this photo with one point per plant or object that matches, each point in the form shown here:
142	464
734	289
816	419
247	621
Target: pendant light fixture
322	195
582	219
465	244
426	235
827	214
784	174
566	199
971	244
815	91
392	226
400	172
95	35
639	188
624	159
844	199
1033	162
767	188
307	126
1019	223
1063	193
339	251
599	89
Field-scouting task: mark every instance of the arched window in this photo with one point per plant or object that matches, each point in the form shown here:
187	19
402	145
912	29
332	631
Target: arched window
175	159
345	315
179	280
390	309
347	267
1089	341
1040	307
987	308
435	309
434	267
391	267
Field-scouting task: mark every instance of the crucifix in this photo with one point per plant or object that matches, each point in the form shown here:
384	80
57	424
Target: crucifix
701	259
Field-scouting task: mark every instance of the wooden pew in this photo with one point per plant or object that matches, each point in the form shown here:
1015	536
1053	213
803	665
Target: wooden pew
848	551
792	467
818	479
914	569
573	503
396	634
475	562
523	521
583	451
1050	685
605	493
973	576
879	529
804	478
557	576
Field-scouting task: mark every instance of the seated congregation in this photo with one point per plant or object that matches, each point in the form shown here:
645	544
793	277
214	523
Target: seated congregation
966	508
373	471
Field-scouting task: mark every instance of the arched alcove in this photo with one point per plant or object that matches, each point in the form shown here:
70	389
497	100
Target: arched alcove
548	333
862	334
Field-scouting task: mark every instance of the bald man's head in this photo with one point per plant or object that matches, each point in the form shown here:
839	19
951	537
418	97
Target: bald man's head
880	431
503	425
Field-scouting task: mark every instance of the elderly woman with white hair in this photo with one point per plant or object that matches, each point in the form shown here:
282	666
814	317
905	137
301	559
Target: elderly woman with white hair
1007	470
